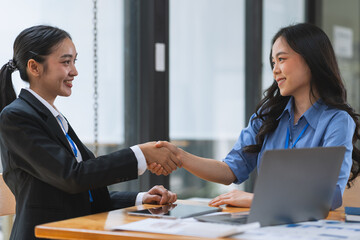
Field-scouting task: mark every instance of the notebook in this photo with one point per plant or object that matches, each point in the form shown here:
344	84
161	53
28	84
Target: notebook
293	185
352	214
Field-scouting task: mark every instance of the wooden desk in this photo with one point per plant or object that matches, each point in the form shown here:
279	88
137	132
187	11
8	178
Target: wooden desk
94	226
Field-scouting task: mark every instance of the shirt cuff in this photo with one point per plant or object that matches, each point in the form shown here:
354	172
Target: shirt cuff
139	198
142	166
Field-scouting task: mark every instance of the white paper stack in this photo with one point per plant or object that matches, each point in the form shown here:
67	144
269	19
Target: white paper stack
186	227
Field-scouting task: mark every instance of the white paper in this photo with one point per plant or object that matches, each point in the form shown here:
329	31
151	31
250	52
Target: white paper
317	230
343	41
186	227
160	57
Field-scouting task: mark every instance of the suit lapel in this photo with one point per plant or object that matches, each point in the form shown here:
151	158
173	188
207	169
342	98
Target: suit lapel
83	150
47	116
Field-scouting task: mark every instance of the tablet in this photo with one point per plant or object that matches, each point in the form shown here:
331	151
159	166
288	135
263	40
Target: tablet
236	218
176	211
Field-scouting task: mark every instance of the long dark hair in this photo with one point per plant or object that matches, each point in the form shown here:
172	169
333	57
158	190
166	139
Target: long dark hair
36	43
315	48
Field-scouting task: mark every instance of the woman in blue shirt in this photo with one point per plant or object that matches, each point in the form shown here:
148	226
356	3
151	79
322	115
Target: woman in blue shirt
305	107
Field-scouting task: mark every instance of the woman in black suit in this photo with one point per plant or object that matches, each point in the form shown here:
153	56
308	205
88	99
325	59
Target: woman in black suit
50	171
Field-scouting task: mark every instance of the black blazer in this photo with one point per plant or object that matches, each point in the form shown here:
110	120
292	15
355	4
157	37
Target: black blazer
40	169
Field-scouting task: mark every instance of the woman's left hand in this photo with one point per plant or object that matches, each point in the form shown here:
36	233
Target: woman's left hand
235	198
159	195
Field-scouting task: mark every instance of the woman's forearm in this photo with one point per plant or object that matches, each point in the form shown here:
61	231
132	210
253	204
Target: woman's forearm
207	169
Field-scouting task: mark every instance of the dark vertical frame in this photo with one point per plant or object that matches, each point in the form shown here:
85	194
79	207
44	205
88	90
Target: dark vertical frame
313	11
253	64
146	90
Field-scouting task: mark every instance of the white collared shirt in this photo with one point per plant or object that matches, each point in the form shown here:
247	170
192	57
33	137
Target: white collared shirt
59	118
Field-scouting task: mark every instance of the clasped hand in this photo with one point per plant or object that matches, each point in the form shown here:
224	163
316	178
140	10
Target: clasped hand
159	195
162	157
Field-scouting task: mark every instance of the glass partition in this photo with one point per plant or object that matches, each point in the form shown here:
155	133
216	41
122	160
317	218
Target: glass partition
341	22
206	84
277	14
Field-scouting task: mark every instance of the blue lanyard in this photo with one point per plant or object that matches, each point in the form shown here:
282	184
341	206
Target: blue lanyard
288	136
69	139
74	150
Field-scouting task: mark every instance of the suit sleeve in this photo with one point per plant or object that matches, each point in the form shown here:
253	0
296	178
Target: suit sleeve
122	199
29	145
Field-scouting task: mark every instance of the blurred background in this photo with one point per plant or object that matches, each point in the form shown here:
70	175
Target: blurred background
189	71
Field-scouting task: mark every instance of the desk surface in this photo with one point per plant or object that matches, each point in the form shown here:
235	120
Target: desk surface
94	226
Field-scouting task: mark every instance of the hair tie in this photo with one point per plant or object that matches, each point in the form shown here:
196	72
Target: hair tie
11	65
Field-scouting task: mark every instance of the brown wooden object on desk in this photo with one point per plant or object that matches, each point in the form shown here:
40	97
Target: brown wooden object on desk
95	226
7	208
7	199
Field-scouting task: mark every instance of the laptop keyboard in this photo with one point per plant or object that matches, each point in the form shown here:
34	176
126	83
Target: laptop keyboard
235	221
224	219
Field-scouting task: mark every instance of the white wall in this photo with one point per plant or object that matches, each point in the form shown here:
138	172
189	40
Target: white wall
206	69
277	14
76	18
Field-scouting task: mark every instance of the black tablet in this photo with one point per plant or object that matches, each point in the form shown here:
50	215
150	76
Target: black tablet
237	218
176	211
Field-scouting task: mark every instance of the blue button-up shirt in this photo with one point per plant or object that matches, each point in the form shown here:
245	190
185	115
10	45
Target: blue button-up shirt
327	127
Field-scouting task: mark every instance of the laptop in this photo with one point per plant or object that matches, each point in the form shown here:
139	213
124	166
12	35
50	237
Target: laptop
293	185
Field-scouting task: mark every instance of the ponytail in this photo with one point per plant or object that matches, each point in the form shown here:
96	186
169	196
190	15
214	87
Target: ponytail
7	92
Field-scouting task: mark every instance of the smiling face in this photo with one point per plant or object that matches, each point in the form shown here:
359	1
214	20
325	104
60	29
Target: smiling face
54	77
290	70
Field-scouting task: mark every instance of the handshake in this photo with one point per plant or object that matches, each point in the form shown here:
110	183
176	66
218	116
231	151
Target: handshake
161	157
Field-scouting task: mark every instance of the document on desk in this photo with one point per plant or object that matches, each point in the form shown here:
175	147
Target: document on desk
186	227
314	230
